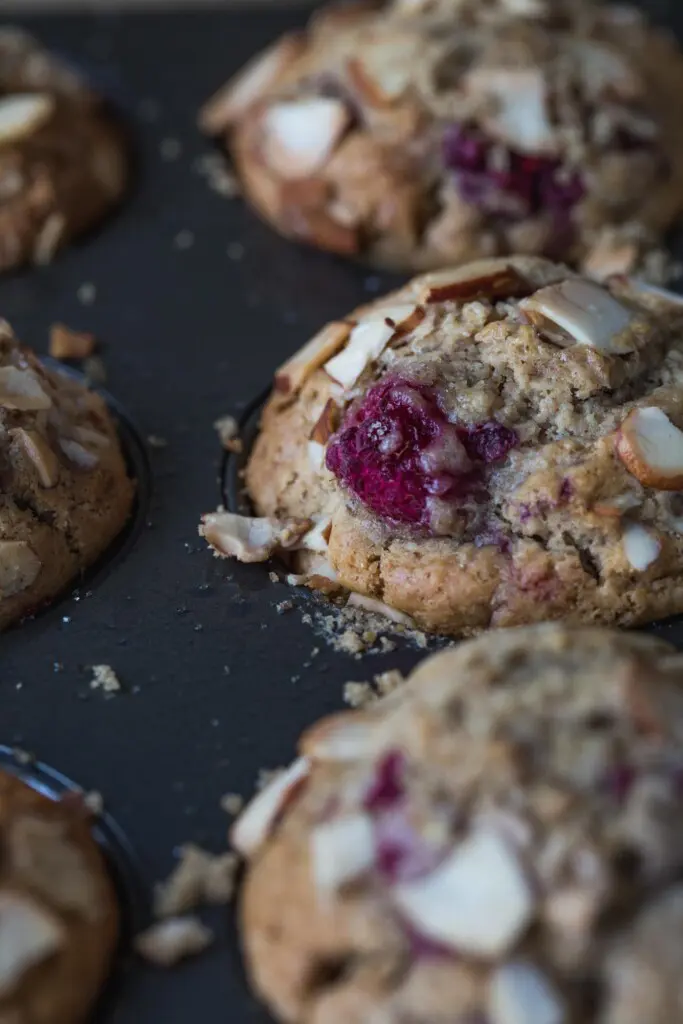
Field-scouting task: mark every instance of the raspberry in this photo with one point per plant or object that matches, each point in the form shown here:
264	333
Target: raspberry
528	184
397	450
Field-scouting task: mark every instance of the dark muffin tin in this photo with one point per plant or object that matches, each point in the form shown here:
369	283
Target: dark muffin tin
214	683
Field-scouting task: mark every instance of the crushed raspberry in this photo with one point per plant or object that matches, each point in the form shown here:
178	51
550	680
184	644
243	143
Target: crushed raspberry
401	853
527	184
387	787
397	450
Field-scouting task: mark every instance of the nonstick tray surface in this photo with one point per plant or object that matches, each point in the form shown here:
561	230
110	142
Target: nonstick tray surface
215	686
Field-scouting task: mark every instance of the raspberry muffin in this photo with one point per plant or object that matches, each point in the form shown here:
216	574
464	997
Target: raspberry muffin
59	918
62	159
488	446
497	842
423	133
65	489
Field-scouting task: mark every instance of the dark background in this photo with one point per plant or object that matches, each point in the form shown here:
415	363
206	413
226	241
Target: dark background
215	686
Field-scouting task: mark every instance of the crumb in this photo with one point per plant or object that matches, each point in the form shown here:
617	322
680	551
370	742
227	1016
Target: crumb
387	682
154	441
220	178
87	293
226	427
184	239
315	651
307	619
94	803
23	757
170	149
359	695
273	577
104	678
68	344
386	645
350	642
199	878
284	606
232	803
95	370
236	251
170	941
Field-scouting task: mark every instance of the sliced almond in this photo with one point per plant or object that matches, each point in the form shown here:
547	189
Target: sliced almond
78	454
22	114
168	942
21	389
319	576
604	72
370	604
68	344
316	539
296	371
327	423
39	452
88	436
477	902
250	539
483	279
518	99
520	993
342	850
257	821
368	340
640	545
580	312
45	859
249	85
28	936
610	256
651	448
19	567
316	455
656	292
342	737
385	69
300	136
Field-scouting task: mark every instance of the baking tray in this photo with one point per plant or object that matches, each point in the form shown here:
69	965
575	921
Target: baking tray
217	685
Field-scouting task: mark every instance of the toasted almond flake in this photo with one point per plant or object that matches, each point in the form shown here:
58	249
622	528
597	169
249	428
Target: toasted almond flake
78	454
19	567
366	343
320	576
519	114
610	256
300	136
580	312
341	851
258	819
520	993
478	901
250	539
482	279
640	545
168	942
316	455
28	936
88	436
23	114
370	604
249	85
68	344
651	448
342	737
296	371
317	538
385	70
21	389
327	423
656	291
39	452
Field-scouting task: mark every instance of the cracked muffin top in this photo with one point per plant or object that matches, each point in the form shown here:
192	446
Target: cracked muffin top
63	161
487	446
59	917
65	490
421	133
499	841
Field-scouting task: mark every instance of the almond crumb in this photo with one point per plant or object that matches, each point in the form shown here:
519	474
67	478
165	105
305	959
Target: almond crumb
104	678
170	941
67	344
198	879
232	803
227	428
